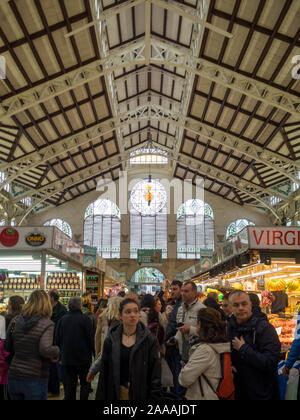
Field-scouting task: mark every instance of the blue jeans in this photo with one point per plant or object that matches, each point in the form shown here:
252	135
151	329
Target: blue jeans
27	390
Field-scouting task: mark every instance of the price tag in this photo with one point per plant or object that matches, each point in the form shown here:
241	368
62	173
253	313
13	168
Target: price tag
278	330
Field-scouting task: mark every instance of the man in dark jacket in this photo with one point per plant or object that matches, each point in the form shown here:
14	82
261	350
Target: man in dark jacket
75	338
56	371
144	367
212	301
172	353
255	352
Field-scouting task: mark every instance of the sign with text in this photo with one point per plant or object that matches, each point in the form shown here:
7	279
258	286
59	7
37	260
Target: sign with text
25	238
274	238
149	256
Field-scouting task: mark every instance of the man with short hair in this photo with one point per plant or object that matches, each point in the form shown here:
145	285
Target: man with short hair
226	307
172	354
187	315
75	338
212	301
255	352
56	371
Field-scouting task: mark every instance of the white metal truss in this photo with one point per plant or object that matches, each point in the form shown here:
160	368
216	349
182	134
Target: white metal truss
44	193
273	160
167	53
197	37
148	112
127	56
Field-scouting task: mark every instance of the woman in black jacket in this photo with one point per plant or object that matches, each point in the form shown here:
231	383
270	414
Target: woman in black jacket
129	366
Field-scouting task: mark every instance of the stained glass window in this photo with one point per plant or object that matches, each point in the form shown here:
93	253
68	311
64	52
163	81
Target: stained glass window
195	229
102	228
236	227
148	217
148	198
62	225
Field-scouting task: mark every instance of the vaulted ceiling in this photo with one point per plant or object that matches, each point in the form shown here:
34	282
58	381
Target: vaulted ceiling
88	80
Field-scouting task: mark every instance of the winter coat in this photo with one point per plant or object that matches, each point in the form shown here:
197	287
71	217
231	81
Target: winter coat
211	303
188	314
171	327
58	311
75	337
256	362
294	353
3	365
87	312
144	367
204	359
32	342
103	326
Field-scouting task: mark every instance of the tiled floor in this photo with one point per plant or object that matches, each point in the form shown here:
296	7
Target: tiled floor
91	396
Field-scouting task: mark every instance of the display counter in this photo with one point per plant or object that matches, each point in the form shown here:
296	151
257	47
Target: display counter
44	258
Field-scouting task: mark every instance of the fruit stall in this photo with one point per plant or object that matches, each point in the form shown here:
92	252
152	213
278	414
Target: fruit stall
267	263
33	258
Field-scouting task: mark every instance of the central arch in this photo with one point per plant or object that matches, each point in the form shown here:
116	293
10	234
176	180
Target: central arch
147	280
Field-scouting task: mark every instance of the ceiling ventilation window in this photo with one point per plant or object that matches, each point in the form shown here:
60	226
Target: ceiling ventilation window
149	157
195	229
148	217
102	228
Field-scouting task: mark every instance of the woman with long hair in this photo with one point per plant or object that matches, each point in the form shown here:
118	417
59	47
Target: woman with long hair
108	319
129	366
30	339
202	373
14	308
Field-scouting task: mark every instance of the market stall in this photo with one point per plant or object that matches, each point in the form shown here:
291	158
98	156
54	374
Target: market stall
34	258
113	282
94	267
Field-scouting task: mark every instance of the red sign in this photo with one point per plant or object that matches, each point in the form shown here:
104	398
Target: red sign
9	237
280	238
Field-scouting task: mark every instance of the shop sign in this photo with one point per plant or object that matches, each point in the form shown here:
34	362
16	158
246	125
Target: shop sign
35	239
26	238
261	283
9	237
277	238
149	256
89	256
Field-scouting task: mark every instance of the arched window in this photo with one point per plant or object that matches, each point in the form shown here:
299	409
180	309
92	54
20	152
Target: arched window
102	228
236	227
148	217
60	224
147	280
195	229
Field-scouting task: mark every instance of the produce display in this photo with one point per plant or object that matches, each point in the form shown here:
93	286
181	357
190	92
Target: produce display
22	283
63	281
293	286
285	329
275	285
267	298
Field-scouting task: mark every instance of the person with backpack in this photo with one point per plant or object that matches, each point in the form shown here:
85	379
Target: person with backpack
207	374
255	352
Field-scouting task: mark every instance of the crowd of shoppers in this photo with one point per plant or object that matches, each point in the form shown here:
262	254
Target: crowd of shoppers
174	345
